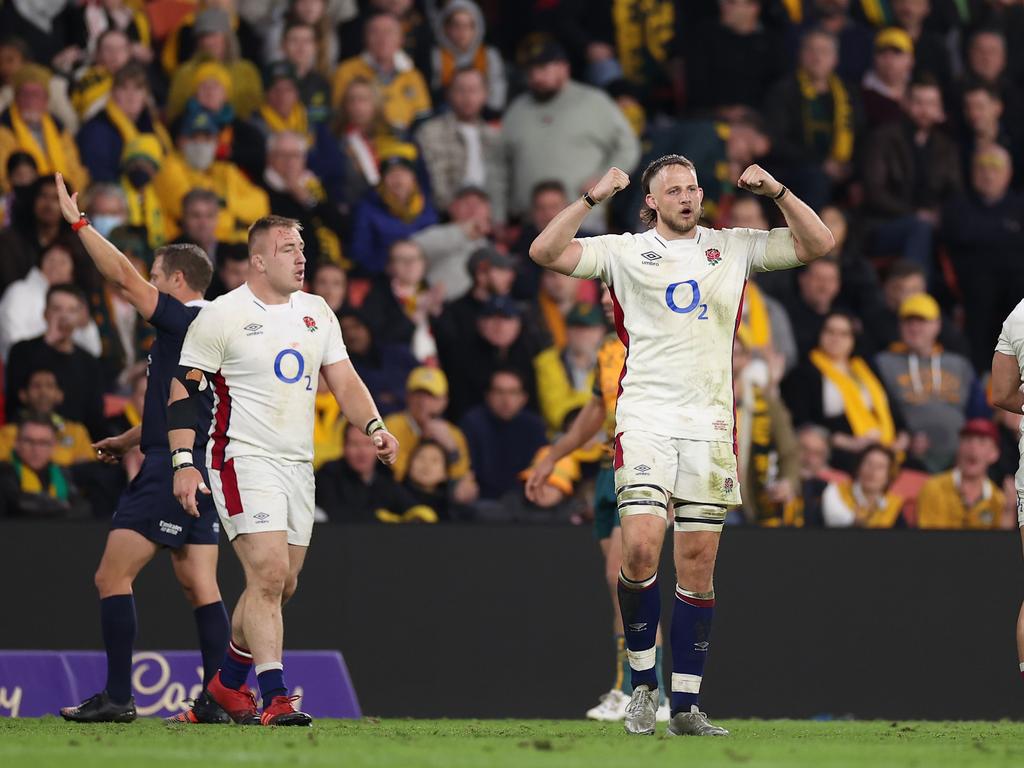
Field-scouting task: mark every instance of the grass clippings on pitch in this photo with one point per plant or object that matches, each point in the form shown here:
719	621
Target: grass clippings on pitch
52	743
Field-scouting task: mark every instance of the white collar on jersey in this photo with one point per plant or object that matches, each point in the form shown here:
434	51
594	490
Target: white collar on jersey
679	240
197	303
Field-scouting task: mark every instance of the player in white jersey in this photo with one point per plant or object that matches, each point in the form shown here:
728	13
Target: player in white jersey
262	348
678	294
1007	374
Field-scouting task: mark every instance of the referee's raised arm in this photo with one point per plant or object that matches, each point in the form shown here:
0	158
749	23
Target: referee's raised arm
554	248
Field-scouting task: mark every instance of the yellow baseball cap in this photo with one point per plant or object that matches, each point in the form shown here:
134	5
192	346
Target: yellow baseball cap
894	37
922	305
427	379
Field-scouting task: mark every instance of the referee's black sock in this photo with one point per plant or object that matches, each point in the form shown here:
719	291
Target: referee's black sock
214	629
117	617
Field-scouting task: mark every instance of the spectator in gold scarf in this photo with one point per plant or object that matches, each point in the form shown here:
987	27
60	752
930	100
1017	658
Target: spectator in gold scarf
866	500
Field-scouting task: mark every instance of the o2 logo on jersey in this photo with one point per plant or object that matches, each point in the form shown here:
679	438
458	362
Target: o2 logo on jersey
676	294
289	367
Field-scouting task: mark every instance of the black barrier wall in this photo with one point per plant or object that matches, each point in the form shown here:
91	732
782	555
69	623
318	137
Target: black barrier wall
515	622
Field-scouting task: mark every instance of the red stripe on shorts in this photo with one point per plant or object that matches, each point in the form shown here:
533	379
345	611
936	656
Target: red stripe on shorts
229	485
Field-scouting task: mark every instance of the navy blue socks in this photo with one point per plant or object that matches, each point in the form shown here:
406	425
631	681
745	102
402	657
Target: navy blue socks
214	629
117	618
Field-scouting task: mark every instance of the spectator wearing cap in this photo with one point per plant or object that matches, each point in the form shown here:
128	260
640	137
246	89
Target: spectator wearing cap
814	119
565	377
214	29
984	231
426	399
102	139
492	273
27	126
460	46
295	191
396	210
564	130
884	87
933	389
502	433
237	139
400	306
141	161
90	86
964	497
384	63
911	168
32	485
499	341
215	40
460	150
449	246
195	165
384	367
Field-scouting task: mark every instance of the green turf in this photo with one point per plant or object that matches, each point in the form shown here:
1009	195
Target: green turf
51	743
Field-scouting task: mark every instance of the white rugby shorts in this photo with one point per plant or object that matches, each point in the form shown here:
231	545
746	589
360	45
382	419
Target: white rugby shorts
255	494
699	476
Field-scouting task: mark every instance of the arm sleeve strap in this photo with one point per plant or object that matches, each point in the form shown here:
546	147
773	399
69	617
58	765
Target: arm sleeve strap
184	414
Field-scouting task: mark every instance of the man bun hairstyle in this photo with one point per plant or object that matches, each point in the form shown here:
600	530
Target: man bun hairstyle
191	261
647	214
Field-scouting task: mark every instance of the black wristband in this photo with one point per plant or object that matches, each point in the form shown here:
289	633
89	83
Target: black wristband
374	425
588	200
180	450
183	465
782	193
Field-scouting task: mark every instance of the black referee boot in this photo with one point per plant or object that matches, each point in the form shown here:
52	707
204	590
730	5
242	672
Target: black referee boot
100	709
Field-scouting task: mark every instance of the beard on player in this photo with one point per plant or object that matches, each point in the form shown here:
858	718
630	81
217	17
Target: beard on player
681	219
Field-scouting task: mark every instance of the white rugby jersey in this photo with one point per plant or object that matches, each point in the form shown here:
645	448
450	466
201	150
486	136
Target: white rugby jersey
265	360
1011	338
677	306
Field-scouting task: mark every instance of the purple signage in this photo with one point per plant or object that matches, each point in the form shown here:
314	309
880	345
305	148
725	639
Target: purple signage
35	683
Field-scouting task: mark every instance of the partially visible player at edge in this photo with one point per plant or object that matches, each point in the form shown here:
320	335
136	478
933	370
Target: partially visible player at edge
597	415
678	294
148	517
1007	373
262	347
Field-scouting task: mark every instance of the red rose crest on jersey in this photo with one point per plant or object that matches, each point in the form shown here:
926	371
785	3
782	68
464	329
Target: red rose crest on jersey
727	485
310	323
714	256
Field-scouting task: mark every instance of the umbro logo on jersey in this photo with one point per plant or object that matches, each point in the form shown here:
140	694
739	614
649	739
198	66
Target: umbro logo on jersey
650	257
254	329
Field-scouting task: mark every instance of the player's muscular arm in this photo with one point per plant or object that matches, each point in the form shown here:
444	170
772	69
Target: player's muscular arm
1006	383
111	263
811	238
555	248
358	406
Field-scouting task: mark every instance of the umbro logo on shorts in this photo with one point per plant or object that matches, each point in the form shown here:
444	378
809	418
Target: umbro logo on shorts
650	257
641	469
261	517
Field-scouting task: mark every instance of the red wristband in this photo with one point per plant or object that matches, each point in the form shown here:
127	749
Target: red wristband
82	222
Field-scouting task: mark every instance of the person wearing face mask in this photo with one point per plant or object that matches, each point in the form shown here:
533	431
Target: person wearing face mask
140	162
27	126
195	166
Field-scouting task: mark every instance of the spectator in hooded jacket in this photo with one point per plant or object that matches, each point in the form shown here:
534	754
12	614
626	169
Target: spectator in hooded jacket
461	45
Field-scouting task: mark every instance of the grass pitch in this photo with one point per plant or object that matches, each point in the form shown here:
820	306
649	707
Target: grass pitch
52	743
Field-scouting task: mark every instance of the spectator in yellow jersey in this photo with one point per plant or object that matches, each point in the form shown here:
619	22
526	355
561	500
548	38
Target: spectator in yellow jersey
27	126
964	497
426	399
384	63
565	377
194	165
42	395
141	161
866	500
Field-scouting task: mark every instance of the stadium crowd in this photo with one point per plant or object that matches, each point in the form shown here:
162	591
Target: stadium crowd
424	145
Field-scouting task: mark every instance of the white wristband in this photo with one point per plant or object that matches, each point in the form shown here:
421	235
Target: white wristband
181	457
